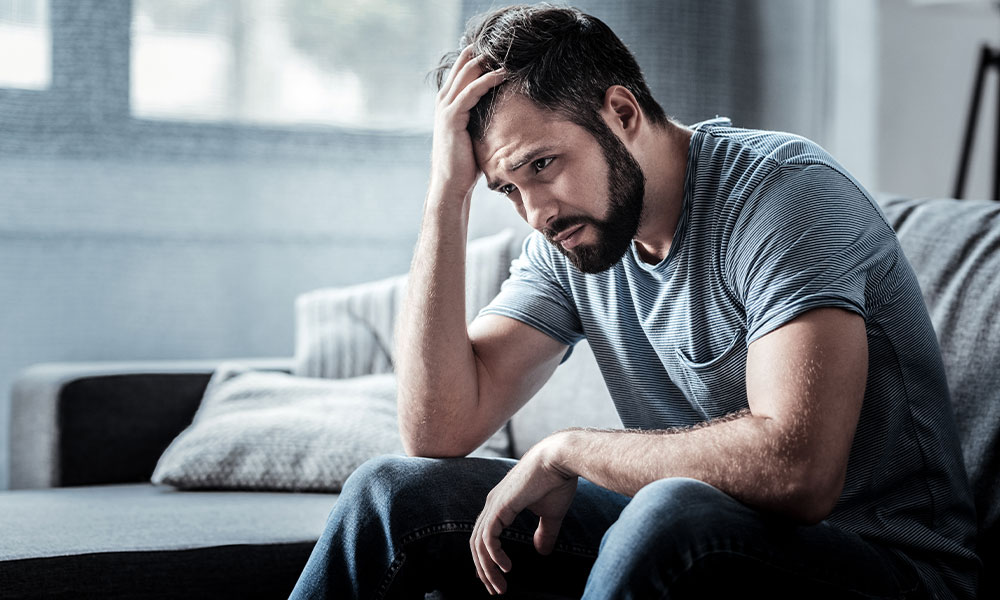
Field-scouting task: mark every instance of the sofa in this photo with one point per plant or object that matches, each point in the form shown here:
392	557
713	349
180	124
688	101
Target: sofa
83	519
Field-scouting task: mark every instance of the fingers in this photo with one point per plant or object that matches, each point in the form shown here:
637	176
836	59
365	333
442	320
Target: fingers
471	94
488	556
491	541
524	487
466	74
470	72
546	535
453	165
463	57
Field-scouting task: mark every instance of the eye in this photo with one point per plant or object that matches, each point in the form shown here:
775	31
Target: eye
541	163
506	190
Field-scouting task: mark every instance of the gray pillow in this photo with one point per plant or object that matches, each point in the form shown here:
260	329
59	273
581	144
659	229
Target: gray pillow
258	430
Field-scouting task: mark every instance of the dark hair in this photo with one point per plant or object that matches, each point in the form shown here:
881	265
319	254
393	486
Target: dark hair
558	57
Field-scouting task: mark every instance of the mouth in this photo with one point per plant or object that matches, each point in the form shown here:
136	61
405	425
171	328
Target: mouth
570	237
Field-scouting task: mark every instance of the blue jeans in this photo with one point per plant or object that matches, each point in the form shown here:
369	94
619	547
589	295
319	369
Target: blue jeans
402	525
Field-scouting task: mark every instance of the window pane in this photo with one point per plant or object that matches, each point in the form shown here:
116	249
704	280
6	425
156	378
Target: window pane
359	63
25	44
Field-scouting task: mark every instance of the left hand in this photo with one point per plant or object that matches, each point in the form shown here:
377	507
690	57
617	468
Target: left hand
535	484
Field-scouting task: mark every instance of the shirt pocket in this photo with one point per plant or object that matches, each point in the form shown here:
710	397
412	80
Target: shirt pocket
717	387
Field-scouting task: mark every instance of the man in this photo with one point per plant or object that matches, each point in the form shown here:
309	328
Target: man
762	335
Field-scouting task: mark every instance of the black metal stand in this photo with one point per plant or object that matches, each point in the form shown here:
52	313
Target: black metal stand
988	59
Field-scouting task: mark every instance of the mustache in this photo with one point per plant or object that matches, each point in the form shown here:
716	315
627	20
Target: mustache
563	223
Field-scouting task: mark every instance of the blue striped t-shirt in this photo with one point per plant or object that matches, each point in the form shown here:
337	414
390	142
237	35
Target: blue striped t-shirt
771	227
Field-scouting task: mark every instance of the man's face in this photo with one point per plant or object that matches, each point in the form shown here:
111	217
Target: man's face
583	192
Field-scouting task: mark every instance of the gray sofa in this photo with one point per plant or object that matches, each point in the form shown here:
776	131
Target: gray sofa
86	438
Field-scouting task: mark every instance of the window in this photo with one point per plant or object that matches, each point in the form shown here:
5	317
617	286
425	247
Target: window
25	44
354	63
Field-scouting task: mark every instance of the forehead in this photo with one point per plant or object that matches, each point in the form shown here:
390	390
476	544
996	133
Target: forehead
518	128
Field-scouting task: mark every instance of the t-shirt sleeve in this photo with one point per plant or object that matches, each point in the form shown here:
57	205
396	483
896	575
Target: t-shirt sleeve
807	237
535	293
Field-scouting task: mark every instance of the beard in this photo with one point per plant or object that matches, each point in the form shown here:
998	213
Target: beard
626	189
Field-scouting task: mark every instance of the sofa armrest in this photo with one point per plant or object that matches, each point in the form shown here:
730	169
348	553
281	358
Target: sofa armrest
101	423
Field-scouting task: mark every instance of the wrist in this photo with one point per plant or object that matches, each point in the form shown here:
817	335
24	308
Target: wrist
557	451
445	194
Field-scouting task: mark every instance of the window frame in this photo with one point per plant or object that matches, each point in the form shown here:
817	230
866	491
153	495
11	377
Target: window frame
85	113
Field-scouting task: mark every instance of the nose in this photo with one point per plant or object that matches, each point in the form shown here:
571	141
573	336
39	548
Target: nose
540	209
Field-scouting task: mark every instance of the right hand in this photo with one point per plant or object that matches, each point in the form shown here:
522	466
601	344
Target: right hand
453	164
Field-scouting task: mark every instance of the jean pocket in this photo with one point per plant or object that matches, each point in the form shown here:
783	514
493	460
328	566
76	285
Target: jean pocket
717	386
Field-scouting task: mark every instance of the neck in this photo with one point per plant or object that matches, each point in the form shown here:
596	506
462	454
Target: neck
664	162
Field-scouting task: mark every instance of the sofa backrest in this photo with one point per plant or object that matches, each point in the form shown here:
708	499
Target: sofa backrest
575	396
954	248
348	331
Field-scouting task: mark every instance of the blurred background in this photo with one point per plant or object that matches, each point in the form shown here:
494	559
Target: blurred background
173	173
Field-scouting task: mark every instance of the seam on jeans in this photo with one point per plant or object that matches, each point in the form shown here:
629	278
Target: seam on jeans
390	575
520	536
393	569
901	594
506	534
443	527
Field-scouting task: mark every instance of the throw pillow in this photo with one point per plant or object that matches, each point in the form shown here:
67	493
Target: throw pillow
260	430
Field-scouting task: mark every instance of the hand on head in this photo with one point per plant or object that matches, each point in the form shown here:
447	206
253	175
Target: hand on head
453	165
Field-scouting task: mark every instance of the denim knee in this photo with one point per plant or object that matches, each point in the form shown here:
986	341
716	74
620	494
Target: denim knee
679	501
394	515
403	489
382	477
666	528
671	515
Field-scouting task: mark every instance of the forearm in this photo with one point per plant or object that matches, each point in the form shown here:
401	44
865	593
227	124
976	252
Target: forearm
439	409
435	362
756	460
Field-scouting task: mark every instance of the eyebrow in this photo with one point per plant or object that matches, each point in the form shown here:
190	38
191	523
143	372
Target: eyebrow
524	159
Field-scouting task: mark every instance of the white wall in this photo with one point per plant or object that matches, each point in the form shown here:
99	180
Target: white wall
115	259
927	58
885	87
849	109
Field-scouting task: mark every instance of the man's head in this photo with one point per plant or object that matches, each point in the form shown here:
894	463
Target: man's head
557	57
563	73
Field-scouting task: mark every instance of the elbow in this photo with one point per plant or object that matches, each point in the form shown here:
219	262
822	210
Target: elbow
429	429
812	494
425	448
421	439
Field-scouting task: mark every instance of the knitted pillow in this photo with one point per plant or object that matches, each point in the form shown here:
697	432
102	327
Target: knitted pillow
271	431
258	430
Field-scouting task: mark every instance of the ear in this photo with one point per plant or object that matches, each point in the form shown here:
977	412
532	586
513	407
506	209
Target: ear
621	112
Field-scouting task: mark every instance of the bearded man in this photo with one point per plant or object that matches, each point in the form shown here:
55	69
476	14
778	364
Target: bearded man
788	426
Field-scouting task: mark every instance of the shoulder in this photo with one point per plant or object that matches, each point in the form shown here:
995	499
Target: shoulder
757	167
752	179
778	148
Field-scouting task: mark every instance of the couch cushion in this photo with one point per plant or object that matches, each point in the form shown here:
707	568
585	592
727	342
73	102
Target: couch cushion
272	431
954	248
575	396
145	541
